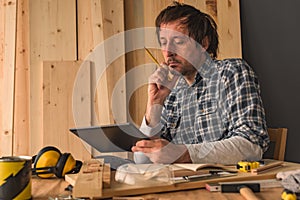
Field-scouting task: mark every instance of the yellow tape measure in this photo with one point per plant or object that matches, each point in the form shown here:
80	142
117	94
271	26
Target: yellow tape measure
246	166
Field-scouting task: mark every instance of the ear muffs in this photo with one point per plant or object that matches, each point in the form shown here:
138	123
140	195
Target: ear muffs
45	161
65	164
50	161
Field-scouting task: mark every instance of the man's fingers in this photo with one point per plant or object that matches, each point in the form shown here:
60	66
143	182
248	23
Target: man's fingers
143	149
144	143
150	145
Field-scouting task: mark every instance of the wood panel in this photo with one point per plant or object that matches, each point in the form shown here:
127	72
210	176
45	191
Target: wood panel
102	22
8	21
114	47
229	29
52	37
58	103
90	26
22	97
98	20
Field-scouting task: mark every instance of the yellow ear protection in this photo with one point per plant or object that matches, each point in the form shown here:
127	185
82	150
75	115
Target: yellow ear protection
50	161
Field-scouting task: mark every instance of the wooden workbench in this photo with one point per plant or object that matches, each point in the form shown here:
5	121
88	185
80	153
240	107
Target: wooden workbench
43	188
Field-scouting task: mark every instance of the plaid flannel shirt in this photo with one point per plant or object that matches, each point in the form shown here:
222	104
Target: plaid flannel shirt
223	101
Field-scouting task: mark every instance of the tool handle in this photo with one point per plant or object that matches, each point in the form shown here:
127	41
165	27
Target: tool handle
248	194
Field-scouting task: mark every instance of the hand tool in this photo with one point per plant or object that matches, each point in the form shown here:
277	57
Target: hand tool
246	188
246	166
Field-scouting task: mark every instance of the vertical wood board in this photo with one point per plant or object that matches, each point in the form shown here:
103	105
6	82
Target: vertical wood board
112	12
98	20
229	29
52	37
22	93
8	13
58	84
90	26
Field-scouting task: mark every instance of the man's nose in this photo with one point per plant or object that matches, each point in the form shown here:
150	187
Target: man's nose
170	49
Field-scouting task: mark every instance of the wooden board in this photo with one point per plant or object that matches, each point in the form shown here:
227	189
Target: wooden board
8	23
106	177
98	21
89	179
119	189
58	104
52	38
22	83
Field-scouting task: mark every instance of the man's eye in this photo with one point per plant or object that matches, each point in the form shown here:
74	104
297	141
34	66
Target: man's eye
179	42
163	43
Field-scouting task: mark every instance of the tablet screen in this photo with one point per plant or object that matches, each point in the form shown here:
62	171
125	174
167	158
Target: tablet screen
110	138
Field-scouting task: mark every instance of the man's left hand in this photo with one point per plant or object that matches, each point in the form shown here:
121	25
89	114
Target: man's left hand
163	151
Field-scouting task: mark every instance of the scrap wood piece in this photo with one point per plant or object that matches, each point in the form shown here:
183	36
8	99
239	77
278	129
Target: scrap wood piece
267	167
89	180
106	177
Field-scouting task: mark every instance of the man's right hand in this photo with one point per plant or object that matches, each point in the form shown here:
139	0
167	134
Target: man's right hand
158	89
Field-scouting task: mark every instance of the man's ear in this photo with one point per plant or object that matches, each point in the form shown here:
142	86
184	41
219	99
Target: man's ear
205	43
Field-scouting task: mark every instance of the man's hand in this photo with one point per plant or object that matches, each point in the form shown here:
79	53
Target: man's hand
158	89
160	85
162	151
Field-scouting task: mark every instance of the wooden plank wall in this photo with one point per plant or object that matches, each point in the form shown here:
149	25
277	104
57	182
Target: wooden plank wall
8	13
44	43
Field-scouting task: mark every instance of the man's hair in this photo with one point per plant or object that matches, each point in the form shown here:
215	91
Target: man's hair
199	24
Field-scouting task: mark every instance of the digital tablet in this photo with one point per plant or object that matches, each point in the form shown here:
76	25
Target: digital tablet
110	138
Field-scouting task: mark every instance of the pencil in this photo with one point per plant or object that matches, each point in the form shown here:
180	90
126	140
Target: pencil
152	57
154	60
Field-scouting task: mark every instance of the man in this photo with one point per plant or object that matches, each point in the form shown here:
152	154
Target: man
211	110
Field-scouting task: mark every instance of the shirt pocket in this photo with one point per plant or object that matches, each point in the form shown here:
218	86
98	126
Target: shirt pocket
207	107
173	123
208	125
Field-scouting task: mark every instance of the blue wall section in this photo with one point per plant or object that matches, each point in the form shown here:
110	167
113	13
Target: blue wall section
271	45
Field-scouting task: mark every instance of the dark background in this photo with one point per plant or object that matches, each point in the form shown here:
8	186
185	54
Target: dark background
271	45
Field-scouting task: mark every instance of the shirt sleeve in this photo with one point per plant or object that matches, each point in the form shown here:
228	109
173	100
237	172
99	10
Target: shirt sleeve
229	151
244	108
150	131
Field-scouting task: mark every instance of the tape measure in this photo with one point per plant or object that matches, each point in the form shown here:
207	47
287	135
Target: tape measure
246	166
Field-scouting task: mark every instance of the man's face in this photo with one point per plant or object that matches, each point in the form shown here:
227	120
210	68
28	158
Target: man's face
179	50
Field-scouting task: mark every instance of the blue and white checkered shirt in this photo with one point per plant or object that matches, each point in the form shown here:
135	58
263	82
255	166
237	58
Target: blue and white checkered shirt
224	101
